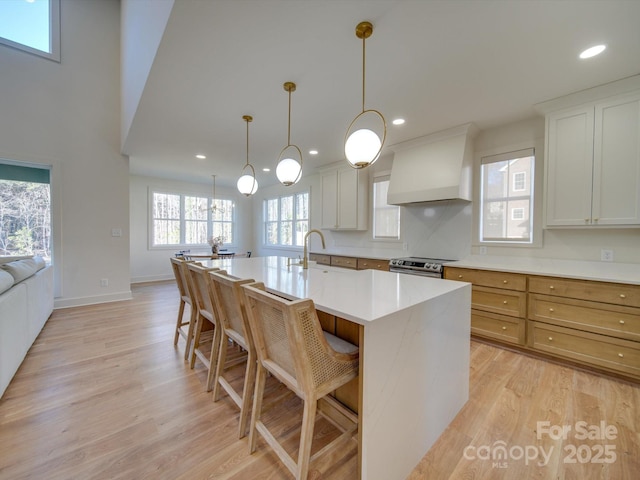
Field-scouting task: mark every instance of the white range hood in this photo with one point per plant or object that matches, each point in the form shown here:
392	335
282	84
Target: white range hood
434	167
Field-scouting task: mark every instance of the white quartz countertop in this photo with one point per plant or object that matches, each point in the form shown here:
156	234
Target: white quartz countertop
598	271
362	296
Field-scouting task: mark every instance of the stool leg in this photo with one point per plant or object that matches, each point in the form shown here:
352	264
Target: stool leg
179	322
247	392
261	379
192	321
306	436
213	359
222	358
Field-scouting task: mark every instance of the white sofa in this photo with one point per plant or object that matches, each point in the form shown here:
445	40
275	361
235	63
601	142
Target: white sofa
26	303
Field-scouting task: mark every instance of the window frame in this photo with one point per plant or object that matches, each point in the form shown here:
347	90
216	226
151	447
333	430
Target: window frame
499	247
294	220
383	177
54	36
183	220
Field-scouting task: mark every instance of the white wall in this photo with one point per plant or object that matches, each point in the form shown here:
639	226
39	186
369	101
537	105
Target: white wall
142	25
66	115
152	264
574	244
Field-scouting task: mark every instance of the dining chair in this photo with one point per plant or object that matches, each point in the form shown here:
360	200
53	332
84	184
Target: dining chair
206	323
231	315
292	346
180	272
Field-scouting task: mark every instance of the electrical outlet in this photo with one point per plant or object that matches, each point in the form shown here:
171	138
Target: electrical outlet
116	232
606	255
483	250
104	282
405	246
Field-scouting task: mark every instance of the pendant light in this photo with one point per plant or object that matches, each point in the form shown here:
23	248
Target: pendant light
289	170
214	208
247	183
362	145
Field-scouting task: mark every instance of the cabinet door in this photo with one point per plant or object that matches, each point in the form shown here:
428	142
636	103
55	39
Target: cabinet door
569	167
348	198
616	167
330	200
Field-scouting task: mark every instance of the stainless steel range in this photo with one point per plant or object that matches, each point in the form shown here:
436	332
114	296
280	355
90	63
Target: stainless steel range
426	267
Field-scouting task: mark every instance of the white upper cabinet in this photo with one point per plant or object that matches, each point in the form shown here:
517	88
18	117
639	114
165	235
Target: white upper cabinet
344	199
592	164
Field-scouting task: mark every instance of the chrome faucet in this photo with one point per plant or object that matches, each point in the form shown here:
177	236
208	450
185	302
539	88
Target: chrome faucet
305	256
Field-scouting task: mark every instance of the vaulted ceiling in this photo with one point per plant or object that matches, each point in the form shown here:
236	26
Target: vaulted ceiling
437	64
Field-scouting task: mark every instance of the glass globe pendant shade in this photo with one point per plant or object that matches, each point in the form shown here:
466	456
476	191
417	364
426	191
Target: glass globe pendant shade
362	147
247	185
288	171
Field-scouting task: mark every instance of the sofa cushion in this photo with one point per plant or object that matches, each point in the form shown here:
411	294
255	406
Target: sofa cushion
22	269
13	258
6	281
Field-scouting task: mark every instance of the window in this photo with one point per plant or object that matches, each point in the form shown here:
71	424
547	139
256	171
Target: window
517	213
504	189
518	181
189	220
32	26
286	220
25	211
386	218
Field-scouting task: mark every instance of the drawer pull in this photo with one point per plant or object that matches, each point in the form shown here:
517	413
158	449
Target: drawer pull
504	301
621	355
551	339
459	276
505	281
378	266
622	295
551	287
621	322
551	309
504	328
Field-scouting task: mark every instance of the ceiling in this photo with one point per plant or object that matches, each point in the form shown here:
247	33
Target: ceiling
437	64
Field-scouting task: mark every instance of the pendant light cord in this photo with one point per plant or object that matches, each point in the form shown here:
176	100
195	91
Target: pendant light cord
289	126
363	69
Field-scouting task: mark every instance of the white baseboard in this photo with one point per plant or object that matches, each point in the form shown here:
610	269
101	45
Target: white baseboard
152	278
92	300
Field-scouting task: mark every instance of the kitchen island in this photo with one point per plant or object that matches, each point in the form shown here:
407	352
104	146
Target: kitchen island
414	350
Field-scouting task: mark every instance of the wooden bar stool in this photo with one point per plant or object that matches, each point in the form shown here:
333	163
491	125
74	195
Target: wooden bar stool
180	271
291	345
206	323
231	314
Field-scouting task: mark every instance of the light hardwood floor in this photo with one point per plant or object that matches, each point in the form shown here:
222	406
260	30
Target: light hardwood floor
103	393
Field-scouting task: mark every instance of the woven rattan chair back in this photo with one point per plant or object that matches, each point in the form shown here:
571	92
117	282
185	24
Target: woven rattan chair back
291	345
231	314
180	272
206	328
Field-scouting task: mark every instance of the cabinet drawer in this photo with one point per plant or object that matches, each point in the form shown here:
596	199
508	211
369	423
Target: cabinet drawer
499	327
614	293
487	278
370	263
506	302
603	318
319	258
590	348
345	262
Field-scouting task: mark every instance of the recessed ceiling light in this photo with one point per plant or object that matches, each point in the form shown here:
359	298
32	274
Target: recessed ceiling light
313	152
266	169
201	157
398	121
593	51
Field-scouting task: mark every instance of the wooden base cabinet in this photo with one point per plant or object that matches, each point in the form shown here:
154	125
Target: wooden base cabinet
595	324
498	303
600	351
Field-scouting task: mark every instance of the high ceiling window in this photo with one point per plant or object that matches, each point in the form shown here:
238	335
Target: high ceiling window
32	26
